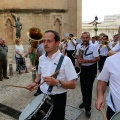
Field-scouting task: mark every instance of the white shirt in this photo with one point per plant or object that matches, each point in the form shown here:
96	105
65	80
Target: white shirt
96	42
104	50
19	49
111	73
40	49
116	48
90	52
70	45
47	67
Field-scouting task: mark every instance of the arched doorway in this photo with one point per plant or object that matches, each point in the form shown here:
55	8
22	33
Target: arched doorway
9	31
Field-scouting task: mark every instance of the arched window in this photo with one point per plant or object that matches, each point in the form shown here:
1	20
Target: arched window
57	25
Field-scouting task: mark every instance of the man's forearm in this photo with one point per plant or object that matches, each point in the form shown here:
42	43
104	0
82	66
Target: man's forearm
38	77
101	88
94	60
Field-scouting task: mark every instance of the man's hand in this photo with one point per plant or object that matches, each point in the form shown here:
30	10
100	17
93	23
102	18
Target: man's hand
31	86
82	60
50	80
100	103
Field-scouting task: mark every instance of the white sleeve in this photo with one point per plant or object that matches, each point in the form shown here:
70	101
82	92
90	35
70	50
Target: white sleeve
105	74
110	45
95	51
74	41
116	48
15	48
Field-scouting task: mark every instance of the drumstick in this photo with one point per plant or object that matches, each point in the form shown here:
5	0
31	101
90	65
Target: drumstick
16	86
105	118
44	81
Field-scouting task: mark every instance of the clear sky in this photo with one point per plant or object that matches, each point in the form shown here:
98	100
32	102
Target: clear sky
91	8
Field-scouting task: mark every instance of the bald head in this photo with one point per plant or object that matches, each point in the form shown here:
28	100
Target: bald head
2	41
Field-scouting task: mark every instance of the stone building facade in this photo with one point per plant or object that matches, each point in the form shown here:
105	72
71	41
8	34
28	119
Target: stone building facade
64	16
109	26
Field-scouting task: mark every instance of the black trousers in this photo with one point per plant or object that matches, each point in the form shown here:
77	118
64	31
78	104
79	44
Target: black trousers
69	54
87	77
58	112
109	113
101	62
3	68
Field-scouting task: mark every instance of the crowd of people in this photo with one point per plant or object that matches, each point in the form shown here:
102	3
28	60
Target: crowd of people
91	54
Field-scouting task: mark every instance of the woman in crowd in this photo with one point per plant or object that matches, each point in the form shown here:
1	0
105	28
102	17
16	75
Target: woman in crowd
20	60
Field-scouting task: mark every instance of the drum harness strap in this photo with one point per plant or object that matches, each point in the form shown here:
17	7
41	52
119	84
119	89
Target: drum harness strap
57	68
112	102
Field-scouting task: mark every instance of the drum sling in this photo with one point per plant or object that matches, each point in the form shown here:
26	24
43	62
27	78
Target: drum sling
57	68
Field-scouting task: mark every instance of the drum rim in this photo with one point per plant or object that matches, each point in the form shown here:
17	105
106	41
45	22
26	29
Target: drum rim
114	115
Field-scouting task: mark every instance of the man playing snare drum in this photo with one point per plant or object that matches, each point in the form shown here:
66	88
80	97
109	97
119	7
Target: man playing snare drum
65	79
111	73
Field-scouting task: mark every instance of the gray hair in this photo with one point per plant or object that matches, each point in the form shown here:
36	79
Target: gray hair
1	39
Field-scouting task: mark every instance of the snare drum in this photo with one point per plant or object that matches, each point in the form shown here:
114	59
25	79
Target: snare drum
38	109
116	116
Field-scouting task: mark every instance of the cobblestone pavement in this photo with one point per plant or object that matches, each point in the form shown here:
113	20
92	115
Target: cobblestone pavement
19	98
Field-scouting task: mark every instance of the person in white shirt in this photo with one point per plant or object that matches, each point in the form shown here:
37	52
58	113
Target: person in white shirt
65	79
93	41
115	49
71	44
88	63
103	51
111	73
19	55
114	41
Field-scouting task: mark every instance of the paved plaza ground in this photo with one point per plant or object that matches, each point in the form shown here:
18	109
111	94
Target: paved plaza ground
19	98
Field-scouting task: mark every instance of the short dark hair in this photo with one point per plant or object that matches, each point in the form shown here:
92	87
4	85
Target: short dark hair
57	37
93	37
71	35
105	36
115	35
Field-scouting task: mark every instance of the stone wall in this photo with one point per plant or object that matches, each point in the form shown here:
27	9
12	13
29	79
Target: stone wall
63	16
34	4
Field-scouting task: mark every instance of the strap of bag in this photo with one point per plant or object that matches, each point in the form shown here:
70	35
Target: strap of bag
57	68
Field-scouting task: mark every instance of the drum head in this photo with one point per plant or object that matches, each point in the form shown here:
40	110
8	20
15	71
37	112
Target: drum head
31	107
116	116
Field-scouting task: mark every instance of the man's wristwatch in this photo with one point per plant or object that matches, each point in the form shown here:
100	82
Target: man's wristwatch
59	84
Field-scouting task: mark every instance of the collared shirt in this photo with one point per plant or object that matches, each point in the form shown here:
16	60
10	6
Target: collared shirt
47	67
116	48
3	52
104	50
70	45
40	49
90	52
111	73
